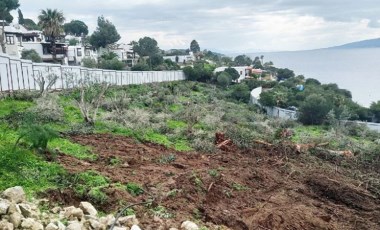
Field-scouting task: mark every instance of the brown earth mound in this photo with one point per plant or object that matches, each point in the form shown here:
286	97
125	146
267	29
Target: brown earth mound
256	189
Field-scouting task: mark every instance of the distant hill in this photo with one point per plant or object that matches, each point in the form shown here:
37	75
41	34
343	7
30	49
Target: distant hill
371	43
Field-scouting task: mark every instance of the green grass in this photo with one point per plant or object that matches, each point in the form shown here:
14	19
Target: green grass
7	106
312	131
21	167
174	124
72	149
157	138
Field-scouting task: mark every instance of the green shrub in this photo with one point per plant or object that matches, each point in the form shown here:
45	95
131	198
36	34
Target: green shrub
134	189
224	79
38	136
31	55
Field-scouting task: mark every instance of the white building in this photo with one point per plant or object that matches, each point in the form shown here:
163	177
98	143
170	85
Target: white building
181	59
244	71
18	38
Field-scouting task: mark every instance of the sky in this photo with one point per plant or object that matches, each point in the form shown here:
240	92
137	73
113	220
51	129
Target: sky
228	26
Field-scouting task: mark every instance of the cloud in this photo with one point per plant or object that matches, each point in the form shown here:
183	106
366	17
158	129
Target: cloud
224	25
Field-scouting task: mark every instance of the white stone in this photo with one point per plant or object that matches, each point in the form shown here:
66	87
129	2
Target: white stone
60	225
15	194
189	225
14	208
5	225
56	210
15	219
88	208
72	213
129	220
135	227
51	226
31	224
26	210
4	206
74	226
120	228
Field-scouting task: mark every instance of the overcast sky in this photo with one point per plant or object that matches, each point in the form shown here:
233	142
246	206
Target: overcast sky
227	25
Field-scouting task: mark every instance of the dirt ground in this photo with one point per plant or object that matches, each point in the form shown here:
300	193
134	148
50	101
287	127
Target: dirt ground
261	188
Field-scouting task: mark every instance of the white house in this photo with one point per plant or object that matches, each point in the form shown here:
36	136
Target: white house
18	38
244	71
181	59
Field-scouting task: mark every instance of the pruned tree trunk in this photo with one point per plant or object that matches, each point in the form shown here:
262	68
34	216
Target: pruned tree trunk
2	38
53	48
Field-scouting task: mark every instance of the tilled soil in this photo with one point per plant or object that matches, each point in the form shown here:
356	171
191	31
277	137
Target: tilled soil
253	189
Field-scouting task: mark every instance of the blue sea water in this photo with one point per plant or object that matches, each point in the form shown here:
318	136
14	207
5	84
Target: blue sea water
357	70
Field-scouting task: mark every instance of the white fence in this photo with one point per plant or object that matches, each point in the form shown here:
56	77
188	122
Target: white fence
18	74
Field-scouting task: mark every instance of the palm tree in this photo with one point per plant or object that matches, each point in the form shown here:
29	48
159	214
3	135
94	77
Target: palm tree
51	22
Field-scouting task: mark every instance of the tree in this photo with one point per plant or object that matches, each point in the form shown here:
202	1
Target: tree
243	60
233	73
110	60
30	24
375	110
76	27
314	110
155	60
257	63
51	23
146	46
241	92
31	55
21	20
89	62
105	34
6	6
224	79
194	47
283	74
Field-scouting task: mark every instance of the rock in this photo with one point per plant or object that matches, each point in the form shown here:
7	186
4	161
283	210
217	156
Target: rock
71	213
120	228
5	225
189	225
51	226
60	225
15	194
107	220
13	208
26	210
31	224
135	227
4	206
94	223
56	210
88	208
157	219
15	219
74	226
128	220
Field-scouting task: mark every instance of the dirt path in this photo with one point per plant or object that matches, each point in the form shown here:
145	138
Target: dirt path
258	189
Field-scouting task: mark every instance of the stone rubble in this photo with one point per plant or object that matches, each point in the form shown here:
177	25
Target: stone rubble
17	213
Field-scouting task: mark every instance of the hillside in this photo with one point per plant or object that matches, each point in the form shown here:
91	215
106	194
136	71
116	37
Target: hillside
371	43
191	152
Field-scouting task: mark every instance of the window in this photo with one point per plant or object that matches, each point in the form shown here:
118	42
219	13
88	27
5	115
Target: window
10	40
79	52
87	53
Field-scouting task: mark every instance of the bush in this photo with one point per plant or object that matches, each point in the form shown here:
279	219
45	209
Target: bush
140	67
241	92
314	109
89	62
224	79
31	55
112	64
38	136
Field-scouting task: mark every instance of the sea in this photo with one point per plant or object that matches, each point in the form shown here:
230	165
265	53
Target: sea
357	70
